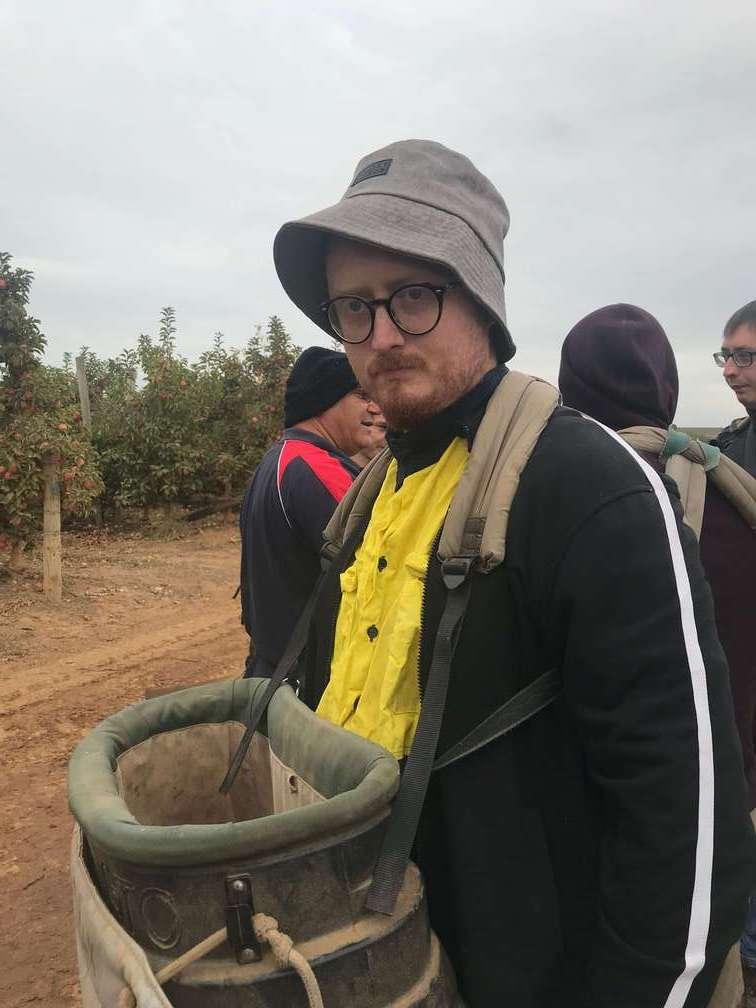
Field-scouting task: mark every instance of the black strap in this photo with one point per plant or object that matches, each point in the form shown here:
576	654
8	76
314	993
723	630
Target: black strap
388	874
294	649
518	709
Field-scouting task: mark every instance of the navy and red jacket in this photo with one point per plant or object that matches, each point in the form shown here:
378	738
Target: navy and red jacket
287	504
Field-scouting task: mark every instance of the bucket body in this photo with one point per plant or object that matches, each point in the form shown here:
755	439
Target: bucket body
298	834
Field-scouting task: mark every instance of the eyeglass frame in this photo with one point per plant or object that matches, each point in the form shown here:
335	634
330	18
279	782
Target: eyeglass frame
373	303
721	357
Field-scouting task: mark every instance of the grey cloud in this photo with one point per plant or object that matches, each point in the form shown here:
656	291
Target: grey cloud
156	148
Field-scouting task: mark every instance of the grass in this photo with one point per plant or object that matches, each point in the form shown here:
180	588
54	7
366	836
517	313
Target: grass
702	433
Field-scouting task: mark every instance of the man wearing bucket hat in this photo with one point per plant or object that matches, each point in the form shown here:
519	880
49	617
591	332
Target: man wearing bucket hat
599	853
293	493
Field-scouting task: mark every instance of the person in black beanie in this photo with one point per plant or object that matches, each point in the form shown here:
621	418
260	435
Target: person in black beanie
292	495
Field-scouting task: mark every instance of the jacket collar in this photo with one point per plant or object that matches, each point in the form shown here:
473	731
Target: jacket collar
300	434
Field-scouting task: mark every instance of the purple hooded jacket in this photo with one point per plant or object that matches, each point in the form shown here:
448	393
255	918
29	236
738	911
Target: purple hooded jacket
618	367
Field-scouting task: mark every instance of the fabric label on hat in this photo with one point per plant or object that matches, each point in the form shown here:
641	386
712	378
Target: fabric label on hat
372	171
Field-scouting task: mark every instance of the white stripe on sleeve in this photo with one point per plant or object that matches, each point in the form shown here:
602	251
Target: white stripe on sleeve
700	911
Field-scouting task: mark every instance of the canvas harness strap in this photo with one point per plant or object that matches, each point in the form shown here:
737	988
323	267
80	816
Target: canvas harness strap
388	873
690	463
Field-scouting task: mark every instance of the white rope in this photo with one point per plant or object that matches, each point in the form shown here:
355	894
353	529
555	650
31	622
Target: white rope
266	930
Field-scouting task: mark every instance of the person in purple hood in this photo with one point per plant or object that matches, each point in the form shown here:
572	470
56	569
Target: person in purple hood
618	367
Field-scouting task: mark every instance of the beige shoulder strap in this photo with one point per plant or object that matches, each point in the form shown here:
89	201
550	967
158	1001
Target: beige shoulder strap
690	478
478	516
357	502
476	523
689	462
686	467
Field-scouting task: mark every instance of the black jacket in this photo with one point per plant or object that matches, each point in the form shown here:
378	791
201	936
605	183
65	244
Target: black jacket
619	368
286	506
578	860
738	442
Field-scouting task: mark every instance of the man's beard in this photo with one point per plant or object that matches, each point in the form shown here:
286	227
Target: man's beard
405	410
407	413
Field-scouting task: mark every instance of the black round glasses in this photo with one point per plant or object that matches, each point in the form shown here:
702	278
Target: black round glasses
741	358
415	309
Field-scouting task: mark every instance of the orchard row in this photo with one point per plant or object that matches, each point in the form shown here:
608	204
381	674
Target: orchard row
163	430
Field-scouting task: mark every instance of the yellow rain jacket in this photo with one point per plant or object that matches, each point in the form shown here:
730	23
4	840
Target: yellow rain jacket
373	689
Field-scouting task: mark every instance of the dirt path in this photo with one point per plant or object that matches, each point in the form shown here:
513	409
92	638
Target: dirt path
137	614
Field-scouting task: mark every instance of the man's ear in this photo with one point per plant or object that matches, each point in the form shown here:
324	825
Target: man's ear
501	342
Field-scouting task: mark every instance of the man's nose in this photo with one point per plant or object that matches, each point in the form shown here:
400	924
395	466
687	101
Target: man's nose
372	407
730	369
385	334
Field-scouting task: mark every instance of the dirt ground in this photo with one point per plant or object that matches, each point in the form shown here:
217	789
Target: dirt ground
138	613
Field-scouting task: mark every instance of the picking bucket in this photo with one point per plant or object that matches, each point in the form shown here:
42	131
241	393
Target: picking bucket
162	860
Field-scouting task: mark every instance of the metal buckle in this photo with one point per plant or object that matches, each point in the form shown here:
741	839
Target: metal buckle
239	911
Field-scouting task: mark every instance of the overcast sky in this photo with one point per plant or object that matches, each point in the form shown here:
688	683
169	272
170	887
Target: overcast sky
151	150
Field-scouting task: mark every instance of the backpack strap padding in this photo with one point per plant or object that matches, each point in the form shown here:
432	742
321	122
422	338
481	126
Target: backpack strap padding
690	478
689	462
476	523
516	416
355	506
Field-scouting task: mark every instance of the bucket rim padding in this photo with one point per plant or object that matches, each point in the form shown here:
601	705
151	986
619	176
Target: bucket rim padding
357	778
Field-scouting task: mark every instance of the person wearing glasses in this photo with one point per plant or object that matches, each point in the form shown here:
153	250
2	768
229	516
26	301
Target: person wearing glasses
600	853
736	358
738	441
292	495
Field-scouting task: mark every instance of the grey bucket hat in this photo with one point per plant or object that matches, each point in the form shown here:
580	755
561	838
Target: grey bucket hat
416	198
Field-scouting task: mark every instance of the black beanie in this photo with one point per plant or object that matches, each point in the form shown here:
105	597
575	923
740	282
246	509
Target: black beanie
318	379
